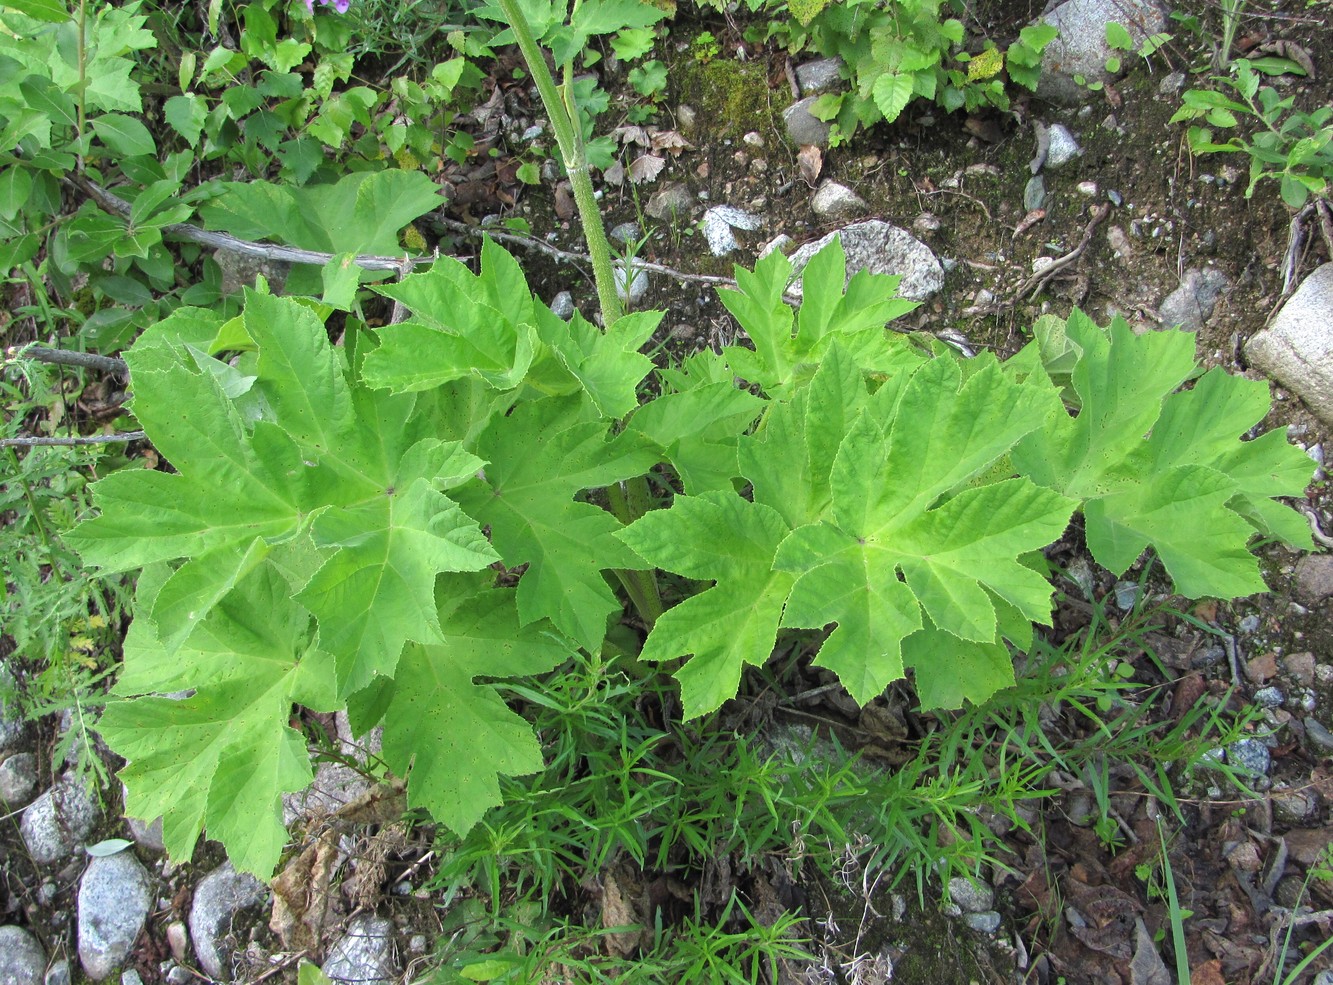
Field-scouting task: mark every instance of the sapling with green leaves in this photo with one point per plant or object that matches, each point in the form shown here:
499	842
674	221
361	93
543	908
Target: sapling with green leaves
392	525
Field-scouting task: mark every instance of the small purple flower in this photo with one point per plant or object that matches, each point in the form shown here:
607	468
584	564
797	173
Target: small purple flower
338	5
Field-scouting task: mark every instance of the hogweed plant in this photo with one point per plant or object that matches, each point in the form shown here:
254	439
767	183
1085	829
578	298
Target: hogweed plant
393	525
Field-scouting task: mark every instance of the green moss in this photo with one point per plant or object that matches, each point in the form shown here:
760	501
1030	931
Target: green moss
731	97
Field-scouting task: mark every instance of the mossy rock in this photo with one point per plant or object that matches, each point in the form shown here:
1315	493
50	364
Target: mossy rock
731	97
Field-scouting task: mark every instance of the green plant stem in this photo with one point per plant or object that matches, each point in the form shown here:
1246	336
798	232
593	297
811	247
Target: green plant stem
564	117
83	77
32	501
626	499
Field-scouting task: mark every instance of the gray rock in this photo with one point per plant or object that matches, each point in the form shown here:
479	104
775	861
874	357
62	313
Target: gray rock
670	202
802	125
1191	304
364	955
1063	147
626	233
147	835
1314	578
1325	977
22	959
18	779
1250	755
1171	84
14	729
1297	348
837	203
55	824
131	977
971	896
335	785
58	973
1081	47
631	285
881	248
1294	806
986	922
114	897
563	305
1127	594
218	898
240	270
926	224
717	225
1319	738
1034	195
824	75
1269	697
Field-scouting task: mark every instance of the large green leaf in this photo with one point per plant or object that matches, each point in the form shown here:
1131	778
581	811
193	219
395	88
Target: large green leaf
222	755
904	540
697	431
722	538
541	456
854	313
357	470
1165	469
463	325
359	213
451	737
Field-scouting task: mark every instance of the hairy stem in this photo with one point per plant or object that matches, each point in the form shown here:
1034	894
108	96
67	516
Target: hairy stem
563	113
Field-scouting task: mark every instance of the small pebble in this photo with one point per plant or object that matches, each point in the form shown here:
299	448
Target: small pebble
1249	624
563	305
1034	193
1318	737
1127	594
1269	697
983	923
1250	755
1088	188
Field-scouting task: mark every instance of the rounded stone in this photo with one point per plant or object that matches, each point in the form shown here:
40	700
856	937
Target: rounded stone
630	286
22	958
803	127
834	202
58	973
986	922
1319	738
114	899
881	248
670	201
18	779
1250	755
971	896
1063	148
56	823
562	305
221	895
1269	697
1034	193
364	955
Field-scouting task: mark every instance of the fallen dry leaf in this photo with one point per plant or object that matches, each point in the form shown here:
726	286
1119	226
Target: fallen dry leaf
618	911
301	895
1208	973
646	168
670	141
632	135
564	201
810	159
